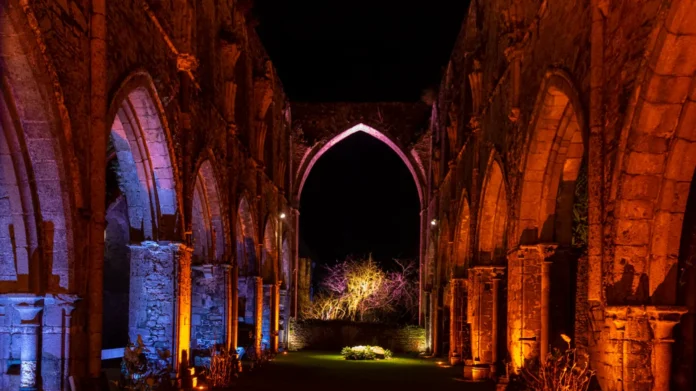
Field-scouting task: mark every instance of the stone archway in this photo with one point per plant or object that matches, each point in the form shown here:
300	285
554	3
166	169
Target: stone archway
209	275
543	268
140	258
485	314
269	255
644	285
39	197
460	344
492	224
250	283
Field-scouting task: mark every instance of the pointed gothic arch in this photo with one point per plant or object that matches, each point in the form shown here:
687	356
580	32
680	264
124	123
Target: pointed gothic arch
553	163
207	223
313	154
493	214
462	239
270	251
38	195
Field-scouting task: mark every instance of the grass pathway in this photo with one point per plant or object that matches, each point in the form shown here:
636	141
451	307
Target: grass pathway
330	372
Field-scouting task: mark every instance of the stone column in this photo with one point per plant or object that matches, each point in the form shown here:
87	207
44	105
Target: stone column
231	306
662	321
275	316
545	297
182	256
427	322
482	308
56	343
258	313
28	306
457	320
494	322
529	287
435	320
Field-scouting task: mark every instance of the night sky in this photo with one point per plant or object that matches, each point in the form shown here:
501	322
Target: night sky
359	198
359	50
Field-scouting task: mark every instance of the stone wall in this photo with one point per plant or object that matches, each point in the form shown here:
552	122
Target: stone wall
152	296
334	335
208	307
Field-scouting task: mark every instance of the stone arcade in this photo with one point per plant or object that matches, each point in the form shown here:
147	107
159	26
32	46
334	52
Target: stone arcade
150	186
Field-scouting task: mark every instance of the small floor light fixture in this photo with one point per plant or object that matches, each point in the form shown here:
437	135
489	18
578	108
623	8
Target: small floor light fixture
433	222
282	216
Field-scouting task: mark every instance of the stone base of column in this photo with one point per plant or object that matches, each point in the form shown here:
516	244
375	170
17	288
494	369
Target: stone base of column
476	372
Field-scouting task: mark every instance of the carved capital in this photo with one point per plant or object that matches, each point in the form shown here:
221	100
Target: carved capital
663	319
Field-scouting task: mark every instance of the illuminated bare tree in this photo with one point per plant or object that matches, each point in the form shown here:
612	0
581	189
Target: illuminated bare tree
361	290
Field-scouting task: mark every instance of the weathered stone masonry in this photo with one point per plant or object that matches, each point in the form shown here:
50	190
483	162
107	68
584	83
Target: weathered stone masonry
181	127
543	89
557	161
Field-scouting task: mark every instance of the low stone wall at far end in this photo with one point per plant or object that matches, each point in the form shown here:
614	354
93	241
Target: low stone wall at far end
334	335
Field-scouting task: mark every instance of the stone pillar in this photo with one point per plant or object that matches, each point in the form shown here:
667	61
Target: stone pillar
662	321
284	320
56	344
457	321
275	316
231	304
529	286
495	278
435	320
182	256
28	306
482	307
258	313
427	322
635	349
545	297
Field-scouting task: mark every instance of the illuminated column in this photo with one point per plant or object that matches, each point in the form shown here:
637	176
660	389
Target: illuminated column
435	320
426	320
545	297
494	320
258	313
231	306
56	340
275	316
662	321
28	306
182	255
457	320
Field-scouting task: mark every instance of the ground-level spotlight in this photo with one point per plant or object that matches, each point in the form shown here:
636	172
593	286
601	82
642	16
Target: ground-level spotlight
282	216
433	222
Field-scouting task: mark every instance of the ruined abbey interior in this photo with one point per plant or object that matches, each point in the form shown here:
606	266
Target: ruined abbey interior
151	167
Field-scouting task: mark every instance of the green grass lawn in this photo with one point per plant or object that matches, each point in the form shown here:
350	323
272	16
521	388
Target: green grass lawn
330	371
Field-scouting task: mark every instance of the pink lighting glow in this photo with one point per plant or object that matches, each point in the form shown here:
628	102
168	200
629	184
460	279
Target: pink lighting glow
306	167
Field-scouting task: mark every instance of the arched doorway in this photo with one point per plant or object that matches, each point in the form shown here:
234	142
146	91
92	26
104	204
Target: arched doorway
552	227
269	256
353	216
38	203
460	343
209	274
485	313
250	285
139	257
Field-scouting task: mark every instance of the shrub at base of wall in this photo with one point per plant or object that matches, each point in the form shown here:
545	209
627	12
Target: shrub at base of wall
336	334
